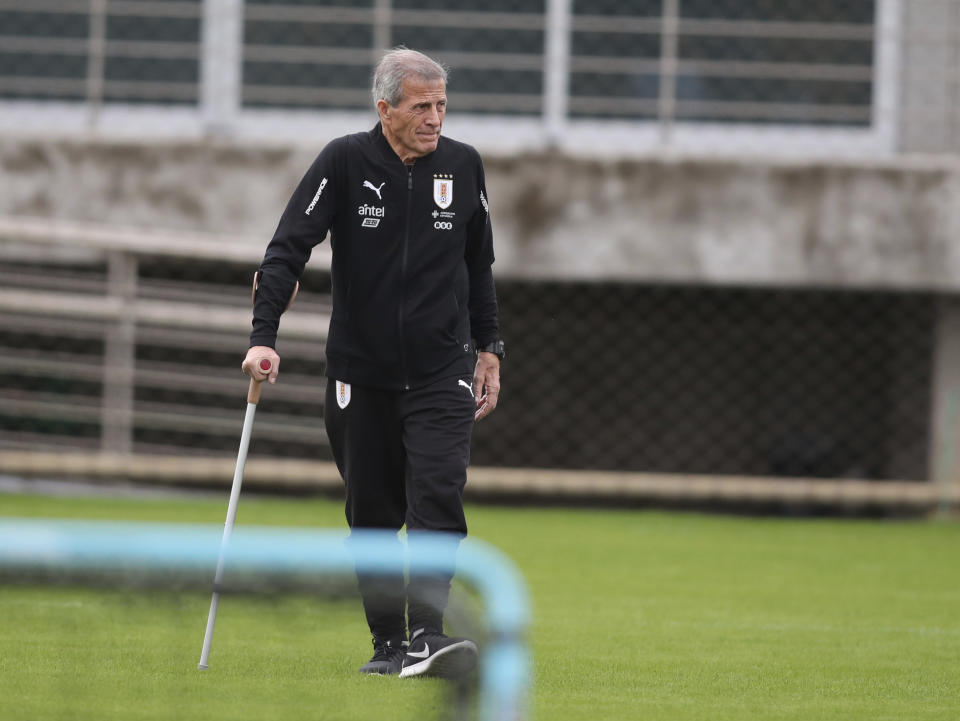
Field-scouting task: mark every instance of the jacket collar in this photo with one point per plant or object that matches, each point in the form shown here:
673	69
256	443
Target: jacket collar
380	140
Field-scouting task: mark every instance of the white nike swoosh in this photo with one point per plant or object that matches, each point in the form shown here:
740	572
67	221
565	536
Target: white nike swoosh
420	654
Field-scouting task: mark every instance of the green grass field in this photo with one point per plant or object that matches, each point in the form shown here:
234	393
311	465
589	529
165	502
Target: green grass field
637	615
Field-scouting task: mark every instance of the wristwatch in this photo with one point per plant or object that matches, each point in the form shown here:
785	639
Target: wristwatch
496	347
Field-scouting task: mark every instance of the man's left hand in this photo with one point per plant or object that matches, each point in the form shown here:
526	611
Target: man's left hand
486	384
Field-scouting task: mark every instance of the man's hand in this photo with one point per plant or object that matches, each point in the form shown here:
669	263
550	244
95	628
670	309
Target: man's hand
486	384
251	364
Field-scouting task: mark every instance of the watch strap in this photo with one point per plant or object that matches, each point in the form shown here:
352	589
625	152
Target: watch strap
496	347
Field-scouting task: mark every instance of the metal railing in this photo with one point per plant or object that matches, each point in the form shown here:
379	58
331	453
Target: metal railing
120	353
140	363
548	72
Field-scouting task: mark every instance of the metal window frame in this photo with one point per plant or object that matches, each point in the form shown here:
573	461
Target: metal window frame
220	112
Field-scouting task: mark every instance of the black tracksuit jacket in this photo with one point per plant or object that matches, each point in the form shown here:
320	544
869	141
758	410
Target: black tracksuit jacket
412	255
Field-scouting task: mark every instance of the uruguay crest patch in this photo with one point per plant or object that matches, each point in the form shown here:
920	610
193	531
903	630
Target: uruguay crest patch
443	190
343	394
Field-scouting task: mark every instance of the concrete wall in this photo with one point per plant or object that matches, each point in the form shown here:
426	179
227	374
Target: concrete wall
894	224
930	76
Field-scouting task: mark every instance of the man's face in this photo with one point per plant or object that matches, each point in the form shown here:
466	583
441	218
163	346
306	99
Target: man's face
413	126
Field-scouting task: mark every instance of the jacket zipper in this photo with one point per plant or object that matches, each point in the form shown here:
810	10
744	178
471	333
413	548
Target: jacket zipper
403	281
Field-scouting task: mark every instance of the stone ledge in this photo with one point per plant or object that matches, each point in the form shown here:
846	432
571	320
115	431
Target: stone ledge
287	475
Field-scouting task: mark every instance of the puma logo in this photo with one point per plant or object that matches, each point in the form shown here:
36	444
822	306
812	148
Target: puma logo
374	188
465	385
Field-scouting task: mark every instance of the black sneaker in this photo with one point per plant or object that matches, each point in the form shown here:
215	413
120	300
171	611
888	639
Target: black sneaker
387	658
430	653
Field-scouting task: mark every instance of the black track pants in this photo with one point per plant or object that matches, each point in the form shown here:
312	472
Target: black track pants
403	456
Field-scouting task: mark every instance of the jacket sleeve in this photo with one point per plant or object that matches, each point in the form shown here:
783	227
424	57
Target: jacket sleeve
484	322
304	224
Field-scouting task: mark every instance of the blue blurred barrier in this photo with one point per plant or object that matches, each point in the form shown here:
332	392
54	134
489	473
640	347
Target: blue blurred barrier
91	546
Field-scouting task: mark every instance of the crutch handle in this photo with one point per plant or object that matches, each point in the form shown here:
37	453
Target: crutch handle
253	392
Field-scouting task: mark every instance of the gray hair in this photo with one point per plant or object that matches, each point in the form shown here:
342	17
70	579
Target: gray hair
396	66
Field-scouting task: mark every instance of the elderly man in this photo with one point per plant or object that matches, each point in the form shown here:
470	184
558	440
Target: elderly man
413	351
